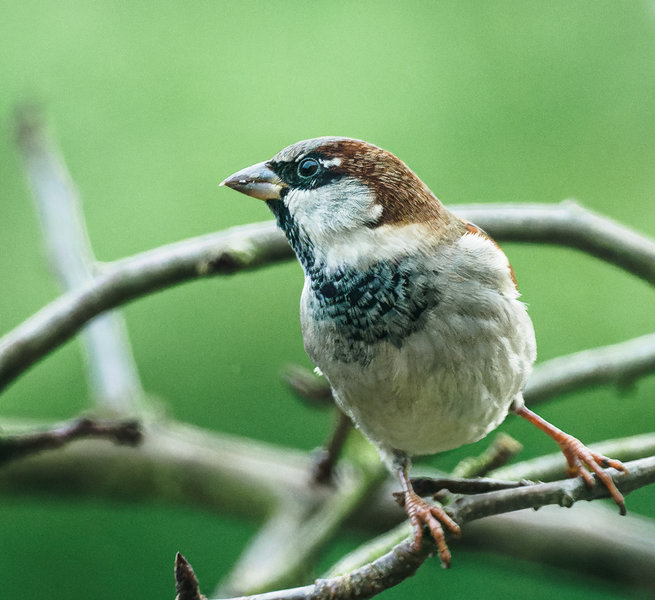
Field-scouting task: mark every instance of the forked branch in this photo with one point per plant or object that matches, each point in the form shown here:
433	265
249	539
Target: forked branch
401	561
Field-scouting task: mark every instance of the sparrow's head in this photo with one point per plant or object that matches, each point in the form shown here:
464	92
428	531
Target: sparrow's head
325	190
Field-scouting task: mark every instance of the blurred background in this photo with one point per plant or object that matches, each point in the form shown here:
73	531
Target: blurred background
154	103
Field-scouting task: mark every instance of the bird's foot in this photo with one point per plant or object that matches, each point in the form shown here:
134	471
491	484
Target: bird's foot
421	514
578	456
580	459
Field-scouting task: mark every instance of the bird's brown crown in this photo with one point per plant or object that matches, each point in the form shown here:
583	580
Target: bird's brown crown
401	193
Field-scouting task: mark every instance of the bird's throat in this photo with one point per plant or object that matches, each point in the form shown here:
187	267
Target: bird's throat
300	244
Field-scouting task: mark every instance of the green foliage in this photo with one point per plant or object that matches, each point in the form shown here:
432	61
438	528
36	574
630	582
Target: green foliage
156	102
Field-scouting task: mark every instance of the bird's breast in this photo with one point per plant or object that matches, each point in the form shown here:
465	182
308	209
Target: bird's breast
422	356
357	310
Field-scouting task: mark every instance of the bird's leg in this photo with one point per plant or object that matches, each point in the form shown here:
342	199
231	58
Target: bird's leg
421	513
578	456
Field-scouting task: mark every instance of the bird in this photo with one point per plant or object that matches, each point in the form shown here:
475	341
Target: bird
411	313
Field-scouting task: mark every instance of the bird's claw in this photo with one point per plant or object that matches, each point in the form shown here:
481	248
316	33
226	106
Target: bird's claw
578	456
420	514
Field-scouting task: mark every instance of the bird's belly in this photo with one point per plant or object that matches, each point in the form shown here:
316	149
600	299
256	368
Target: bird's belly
437	413
446	385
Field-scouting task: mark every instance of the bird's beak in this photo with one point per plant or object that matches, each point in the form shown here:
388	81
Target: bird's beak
258	181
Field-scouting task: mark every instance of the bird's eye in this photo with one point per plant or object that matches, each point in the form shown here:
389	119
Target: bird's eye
308	167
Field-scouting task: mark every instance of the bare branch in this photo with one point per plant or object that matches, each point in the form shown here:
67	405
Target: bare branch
236	249
252	246
590	537
619	364
390	569
307	386
175	463
564	493
503	448
113	376
215	472
551	466
21	445
402	561
567	224
283	551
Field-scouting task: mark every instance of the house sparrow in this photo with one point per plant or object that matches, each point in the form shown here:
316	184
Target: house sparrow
411	313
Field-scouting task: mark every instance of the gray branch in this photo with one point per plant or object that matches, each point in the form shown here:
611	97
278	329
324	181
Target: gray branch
252	246
551	466
112	372
402	561
218	473
619	364
240	248
571	225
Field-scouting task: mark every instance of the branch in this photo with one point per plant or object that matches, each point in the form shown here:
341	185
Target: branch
390	569
175	463
402	561
190	467
551	466
253	246
112	372
567	224
620	364
17	446
236	249
563	493
284	550
591	537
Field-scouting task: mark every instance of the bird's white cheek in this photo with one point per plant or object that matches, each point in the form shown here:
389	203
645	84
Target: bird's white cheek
334	208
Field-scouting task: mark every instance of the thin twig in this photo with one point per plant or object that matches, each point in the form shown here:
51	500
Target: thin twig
112	372
326	457
425	486
501	450
17	446
311	388
256	245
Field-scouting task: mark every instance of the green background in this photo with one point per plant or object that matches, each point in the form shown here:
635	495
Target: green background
154	103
